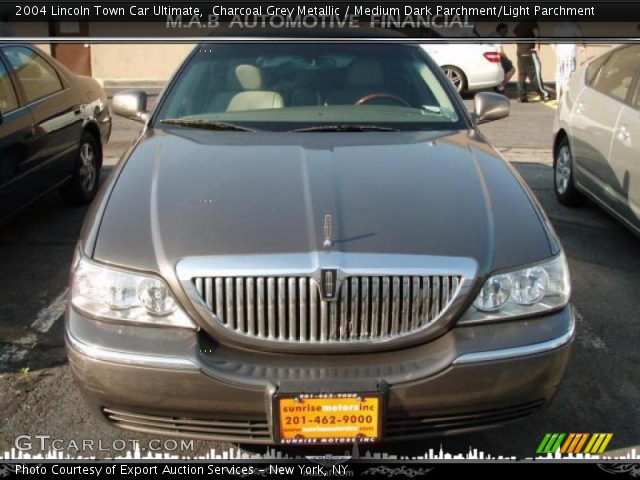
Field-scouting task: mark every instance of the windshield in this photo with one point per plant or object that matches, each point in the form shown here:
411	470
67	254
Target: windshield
282	87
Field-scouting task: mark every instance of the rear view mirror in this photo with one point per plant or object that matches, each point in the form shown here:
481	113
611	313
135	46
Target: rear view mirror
490	106
131	104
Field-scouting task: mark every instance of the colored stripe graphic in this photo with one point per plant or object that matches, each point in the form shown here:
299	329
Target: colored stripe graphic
574	443
596	443
550	443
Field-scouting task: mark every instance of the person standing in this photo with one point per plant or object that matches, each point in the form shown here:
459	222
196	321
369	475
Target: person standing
566	54
507	65
6	29
529	66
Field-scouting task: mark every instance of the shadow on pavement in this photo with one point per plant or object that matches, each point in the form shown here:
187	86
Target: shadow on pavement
36	248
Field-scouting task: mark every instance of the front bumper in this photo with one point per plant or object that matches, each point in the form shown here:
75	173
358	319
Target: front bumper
180	383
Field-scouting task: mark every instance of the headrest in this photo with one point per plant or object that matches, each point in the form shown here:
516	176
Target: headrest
250	77
364	72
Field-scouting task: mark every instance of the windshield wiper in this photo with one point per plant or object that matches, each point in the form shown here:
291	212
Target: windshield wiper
346	128
206	124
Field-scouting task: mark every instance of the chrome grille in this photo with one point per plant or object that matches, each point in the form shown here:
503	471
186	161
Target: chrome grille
290	309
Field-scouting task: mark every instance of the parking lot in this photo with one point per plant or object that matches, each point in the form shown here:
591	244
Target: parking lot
600	394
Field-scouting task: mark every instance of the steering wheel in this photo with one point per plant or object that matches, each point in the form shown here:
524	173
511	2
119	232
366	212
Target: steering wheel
374	96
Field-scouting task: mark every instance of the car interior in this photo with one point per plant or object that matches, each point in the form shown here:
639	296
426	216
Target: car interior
271	83
8	100
37	78
617	75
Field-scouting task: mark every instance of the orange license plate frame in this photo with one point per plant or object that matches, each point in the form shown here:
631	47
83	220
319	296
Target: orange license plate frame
328	418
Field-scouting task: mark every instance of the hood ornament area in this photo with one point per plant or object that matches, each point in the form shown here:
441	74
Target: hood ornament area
328	231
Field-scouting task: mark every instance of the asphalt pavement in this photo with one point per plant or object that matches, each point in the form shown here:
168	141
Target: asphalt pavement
601	392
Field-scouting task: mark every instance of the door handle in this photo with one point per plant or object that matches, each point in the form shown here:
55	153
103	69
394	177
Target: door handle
622	134
580	108
29	133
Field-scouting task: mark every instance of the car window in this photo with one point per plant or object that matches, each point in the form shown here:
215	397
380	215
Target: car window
616	76
8	100
37	78
294	86
594	68
636	100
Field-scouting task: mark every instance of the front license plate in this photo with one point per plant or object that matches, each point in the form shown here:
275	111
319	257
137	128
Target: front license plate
328	417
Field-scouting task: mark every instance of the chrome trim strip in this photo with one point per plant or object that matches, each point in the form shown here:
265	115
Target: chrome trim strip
123	358
515	352
302	264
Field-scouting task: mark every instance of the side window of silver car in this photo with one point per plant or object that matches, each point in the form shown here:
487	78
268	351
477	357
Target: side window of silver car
616	76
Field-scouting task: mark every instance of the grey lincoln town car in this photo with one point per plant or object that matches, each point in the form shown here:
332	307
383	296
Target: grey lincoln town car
313	243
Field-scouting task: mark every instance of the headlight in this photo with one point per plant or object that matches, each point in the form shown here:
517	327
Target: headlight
531	290
112	294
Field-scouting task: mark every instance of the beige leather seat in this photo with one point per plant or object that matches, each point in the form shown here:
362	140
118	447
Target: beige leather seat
253	97
364	77
222	98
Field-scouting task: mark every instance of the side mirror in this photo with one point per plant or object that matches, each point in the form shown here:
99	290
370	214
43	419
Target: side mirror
131	104
488	106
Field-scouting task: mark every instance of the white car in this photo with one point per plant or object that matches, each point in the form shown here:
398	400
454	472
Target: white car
468	66
597	136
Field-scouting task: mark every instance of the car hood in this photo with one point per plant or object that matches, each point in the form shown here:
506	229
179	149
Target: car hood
188	193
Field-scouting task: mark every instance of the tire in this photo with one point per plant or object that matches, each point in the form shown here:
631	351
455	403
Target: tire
456	77
563	176
82	187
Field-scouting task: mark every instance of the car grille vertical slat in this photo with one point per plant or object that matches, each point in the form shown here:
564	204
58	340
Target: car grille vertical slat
271	307
282	308
415	302
251	306
364	308
291	309
304	330
333	321
229	302
455	282
200	288
260	307
353	317
313	312
344	311
324	321
406	309
375	298
240	304
395	306
445	292
425	296
435	296
384	308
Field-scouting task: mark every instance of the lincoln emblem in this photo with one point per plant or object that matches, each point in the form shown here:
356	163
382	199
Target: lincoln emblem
328	226
329	283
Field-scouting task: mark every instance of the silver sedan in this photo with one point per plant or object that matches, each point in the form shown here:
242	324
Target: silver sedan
597	136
